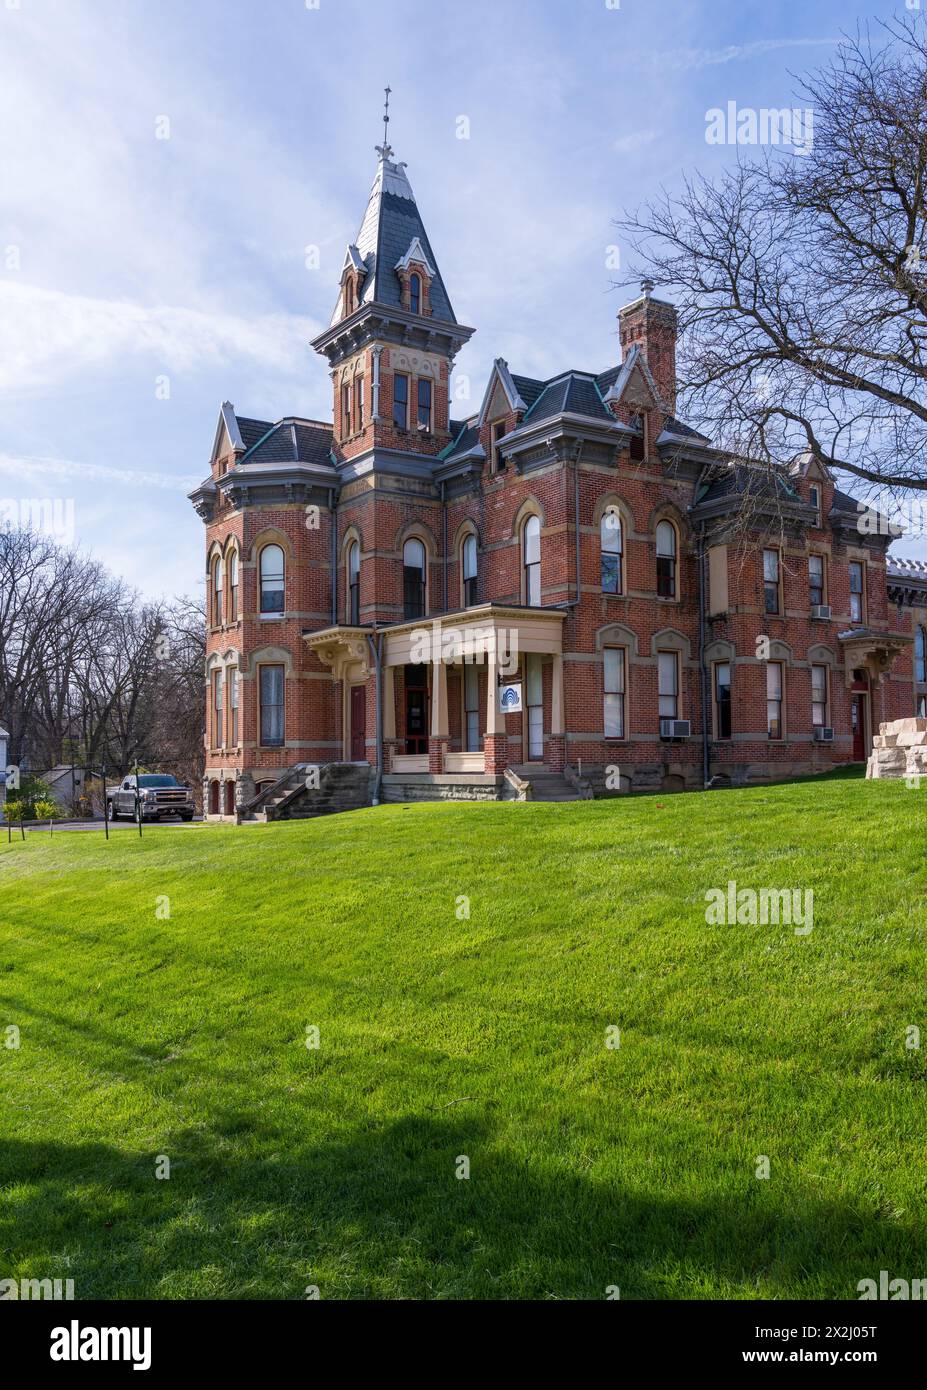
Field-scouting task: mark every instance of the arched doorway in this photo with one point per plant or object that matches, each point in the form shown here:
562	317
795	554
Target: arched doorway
230	798
214	797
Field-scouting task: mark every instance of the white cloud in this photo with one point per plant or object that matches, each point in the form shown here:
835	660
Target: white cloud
47	335
688	59
90	472
635	140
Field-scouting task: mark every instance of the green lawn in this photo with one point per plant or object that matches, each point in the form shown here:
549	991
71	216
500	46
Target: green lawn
590	1166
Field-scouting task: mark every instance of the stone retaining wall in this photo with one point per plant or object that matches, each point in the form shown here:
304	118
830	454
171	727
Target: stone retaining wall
899	749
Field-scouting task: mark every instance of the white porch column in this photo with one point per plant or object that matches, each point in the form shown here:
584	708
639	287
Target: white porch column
557	728
439	700
494	720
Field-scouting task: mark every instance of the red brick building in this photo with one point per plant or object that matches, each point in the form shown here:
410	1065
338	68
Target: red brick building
570	588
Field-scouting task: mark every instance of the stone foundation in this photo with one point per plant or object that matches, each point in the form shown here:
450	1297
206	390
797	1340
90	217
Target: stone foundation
899	750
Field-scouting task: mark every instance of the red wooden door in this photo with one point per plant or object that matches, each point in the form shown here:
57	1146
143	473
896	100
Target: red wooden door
358	723
858	724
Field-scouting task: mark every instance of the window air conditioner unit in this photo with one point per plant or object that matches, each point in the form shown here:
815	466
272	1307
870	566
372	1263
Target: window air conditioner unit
822	735
675	728
820	610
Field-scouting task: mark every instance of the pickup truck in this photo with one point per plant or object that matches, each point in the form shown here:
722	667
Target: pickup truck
160	794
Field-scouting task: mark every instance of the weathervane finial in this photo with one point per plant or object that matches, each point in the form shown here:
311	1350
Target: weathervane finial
384	150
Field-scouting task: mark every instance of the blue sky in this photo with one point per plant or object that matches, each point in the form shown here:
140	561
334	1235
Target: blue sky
132	266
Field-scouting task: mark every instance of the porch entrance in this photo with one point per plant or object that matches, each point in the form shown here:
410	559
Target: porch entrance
358	723
858	725
416	684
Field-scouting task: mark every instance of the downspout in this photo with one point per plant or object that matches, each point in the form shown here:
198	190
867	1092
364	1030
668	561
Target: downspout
703	667
333	513
577	455
376	651
444	510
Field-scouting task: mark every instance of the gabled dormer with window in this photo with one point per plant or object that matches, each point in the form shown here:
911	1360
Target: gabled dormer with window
416	274
635	400
815	487
502	411
353	274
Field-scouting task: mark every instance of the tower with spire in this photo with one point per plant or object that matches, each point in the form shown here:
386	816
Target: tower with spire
393	333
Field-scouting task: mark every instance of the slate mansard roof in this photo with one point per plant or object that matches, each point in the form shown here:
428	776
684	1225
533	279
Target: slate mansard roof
391	224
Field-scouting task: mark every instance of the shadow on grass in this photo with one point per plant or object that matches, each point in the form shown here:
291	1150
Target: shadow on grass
381	1214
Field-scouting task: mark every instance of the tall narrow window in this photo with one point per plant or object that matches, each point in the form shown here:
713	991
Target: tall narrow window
272	706
348	298
819	696
233	586
722	699
415	294
233	708
496	431
534	703
472	708
814	497
613	660
771	602
638	446
424	404
531	560
401	401
816	579
413	579
668	685
468	563
774	699
857	594
217	709
345	410
611	542
271	568
217	591
920	654
354	583
358	402
666	560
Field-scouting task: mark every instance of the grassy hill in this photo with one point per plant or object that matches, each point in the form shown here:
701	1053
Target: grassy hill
444	1037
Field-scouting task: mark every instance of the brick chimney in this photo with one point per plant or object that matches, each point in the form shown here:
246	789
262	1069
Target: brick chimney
652	324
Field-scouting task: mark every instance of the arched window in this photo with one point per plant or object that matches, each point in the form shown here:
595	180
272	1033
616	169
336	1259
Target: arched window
531	560
354	583
233	586
272	579
415	293
348	298
611	538
468	570
216	591
920	655
666	560
413	579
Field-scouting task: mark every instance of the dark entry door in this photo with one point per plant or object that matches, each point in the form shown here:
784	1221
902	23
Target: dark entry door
416	709
358	723
858	725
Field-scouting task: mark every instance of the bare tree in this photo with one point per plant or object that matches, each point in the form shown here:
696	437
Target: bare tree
799	280
88	669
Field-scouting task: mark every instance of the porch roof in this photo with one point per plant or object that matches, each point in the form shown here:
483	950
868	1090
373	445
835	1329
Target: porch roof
874	651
